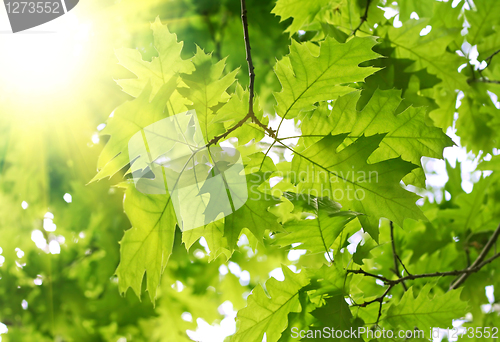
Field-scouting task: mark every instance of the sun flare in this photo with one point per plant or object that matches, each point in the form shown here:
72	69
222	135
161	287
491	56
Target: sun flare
44	60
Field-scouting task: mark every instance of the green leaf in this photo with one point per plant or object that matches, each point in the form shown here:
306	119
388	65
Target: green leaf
474	123
147	246
483	20
302	12
346	177
269	314
317	234
253	215
347	16
161	69
329	280
472	212
429	51
489	46
128	119
214	235
206	88
337	315
407	136
425	312
454	183
424	8
363	251
443	116
309	74
492	165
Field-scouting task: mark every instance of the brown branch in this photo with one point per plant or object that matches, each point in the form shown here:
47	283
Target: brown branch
379	300
363	18
251	86
395	256
463	274
367	274
483	80
388	281
467	255
404	267
217	138
376	300
476	265
251	72
488	59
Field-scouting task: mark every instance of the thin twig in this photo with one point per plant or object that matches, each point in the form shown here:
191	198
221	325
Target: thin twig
240	123
488	59
388	281
404	267
251	72
483	80
376	300
367	274
379	300
479	261
395	256
251	86
487	261
467	255
363	18
463	274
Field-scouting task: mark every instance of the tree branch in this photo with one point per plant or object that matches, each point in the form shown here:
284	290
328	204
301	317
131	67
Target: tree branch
251	86
376	300
395	256
240	123
379	300
251	72
388	281
363	18
488	59
484	80
463	274
367	274
476	265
